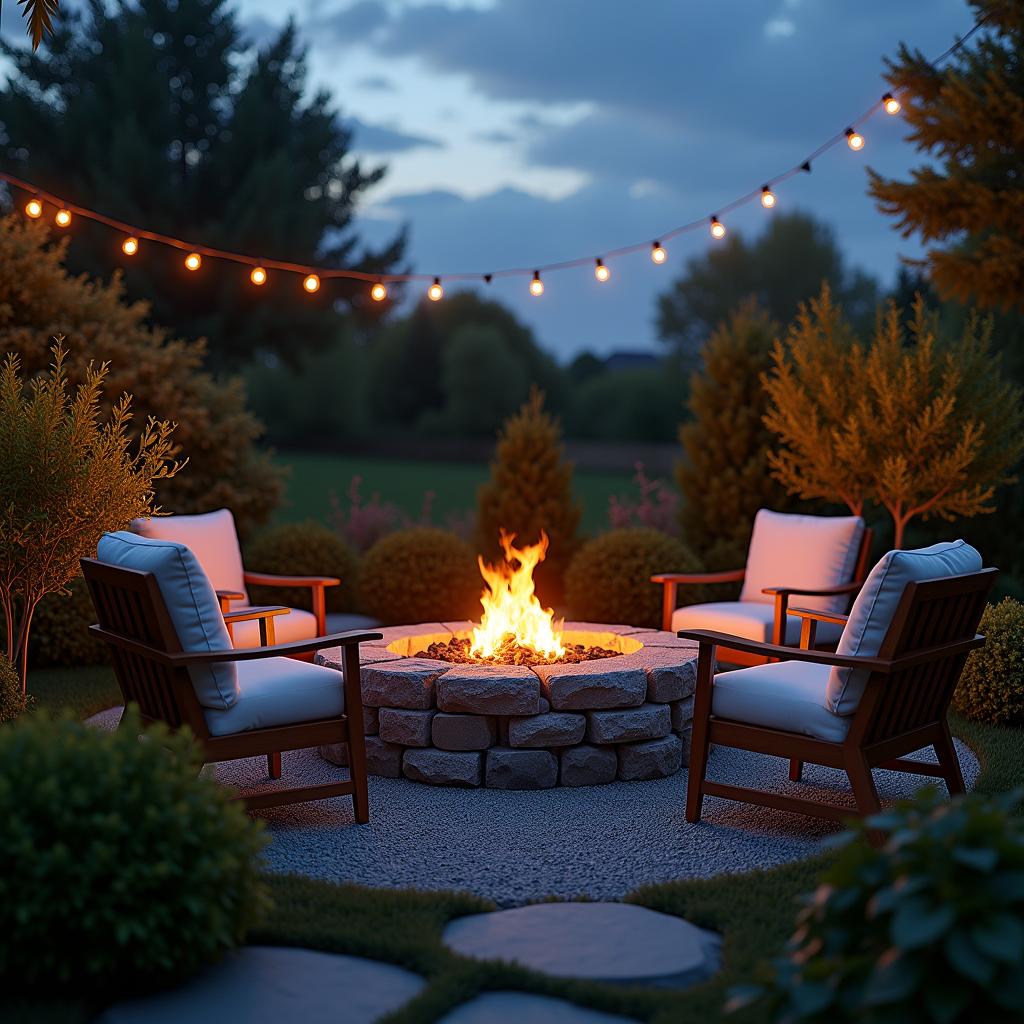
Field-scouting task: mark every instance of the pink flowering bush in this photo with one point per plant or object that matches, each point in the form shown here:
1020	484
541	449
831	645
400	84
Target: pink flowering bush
657	506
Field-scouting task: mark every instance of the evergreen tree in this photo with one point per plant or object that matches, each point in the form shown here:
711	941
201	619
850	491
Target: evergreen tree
967	117
157	114
725	477
530	491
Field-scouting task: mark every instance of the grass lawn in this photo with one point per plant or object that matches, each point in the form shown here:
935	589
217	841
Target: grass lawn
753	911
315	476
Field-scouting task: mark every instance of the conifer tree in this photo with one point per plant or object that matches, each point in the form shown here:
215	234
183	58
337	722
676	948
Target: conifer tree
922	426
530	491
967	118
725	477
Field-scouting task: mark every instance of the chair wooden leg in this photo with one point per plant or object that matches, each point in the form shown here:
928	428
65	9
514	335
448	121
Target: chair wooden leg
274	765
864	792
949	762
796	769
699	740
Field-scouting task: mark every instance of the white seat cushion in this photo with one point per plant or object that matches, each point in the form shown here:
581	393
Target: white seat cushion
749	619
213	539
802	551
279	691
786	695
876	604
296	625
191	605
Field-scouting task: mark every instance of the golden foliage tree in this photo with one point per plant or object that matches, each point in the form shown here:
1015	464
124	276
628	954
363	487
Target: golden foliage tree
40	300
68	474
924	427
725	477
967	117
530	490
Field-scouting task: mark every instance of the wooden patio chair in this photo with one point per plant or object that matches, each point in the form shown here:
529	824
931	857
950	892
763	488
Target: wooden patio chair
883	695
172	657
820	559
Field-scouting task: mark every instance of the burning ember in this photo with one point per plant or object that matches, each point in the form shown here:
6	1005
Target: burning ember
515	628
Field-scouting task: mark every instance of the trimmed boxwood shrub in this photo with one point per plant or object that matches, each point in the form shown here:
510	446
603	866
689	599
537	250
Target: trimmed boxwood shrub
930	927
120	867
609	580
60	630
991	688
12	700
420	575
303	549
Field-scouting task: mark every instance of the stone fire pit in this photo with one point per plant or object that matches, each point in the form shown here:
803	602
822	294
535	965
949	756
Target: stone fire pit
625	717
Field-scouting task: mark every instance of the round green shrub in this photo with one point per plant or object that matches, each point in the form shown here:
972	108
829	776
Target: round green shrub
12	700
420	575
120	867
609	579
927	928
991	688
60	630
303	549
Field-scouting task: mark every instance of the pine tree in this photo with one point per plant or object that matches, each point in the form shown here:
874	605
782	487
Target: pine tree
922	426
530	491
725	477
967	118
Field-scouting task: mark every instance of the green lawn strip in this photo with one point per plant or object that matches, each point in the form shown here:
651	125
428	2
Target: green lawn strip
82	691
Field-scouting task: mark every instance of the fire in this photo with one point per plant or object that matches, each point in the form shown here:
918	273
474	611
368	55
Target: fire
512	612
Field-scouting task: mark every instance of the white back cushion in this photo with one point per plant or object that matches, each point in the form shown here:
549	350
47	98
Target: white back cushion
211	536
191	604
802	551
876	604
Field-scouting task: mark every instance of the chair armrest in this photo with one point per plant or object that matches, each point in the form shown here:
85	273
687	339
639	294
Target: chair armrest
267	579
729	576
817	616
843	588
267	611
225	597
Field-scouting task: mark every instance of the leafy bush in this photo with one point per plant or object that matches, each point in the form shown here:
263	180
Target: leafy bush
609	580
362	523
12	699
120	866
60	630
420	575
656	507
928	928
991	688
303	549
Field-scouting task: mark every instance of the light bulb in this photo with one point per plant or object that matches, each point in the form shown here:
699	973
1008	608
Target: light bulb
601	272
767	198
435	291
311	283
891	104
854	139
378	292
193	261
658	254
130	246
62	218
258	276
717	228
536	285
34	208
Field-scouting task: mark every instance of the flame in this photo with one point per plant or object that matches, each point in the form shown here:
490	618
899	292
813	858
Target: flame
511	609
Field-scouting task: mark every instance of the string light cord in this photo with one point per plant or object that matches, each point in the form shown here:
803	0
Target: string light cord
312	274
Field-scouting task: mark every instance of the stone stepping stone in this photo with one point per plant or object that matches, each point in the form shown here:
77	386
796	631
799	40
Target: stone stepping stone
525	1008
272	984
618	943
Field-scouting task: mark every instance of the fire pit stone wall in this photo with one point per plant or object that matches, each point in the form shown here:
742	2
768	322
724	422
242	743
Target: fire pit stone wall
625	717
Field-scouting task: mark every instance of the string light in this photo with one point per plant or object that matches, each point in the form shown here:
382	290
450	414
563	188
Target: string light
311	283
378	292
258	276
767	198
34	209
717	228
601	272
891	104
536	285
130	246
658	254
193	261
435	291
854	139
62	218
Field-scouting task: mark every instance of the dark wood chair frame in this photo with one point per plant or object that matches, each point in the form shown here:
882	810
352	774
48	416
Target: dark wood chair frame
671	581
903	709
317	585
152	672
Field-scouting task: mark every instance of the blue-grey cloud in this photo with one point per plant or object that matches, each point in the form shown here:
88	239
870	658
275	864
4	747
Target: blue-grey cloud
379	138
377	83
496	137
354	23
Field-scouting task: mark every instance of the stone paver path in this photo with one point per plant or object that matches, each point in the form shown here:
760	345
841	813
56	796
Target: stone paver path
525	1008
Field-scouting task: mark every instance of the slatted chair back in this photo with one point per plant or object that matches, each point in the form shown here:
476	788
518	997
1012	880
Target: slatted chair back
931	613
129	603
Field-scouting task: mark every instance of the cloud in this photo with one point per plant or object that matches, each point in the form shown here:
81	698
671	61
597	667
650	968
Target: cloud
354	23
498	138
376	83
379	138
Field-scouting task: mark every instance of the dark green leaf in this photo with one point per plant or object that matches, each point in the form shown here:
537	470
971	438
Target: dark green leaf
917	922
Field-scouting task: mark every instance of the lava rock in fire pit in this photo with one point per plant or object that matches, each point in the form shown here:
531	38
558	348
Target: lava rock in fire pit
520	769
489	690
511	652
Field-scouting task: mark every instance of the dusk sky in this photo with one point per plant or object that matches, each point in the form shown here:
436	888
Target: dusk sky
520	132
